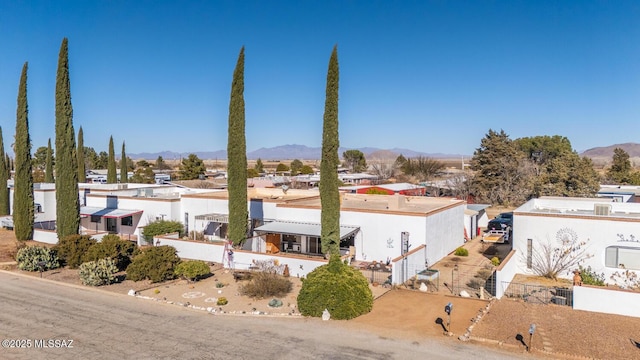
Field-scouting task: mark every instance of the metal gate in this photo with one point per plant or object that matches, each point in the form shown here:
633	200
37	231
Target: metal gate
539	294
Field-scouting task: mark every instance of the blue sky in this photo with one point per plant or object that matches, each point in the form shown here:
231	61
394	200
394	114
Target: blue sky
431	76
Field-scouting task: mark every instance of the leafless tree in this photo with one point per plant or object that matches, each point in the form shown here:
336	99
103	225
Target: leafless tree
551	259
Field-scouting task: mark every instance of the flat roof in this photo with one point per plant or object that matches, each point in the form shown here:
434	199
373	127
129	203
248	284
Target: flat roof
418	205
106	212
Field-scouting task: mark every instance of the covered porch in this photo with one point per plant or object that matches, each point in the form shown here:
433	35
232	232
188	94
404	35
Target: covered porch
302	238
113	221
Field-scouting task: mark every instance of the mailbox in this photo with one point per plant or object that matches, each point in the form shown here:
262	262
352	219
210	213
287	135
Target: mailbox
448	308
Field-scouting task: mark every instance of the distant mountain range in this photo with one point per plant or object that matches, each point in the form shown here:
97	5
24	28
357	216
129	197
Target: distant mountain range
633	149
290	152
303	152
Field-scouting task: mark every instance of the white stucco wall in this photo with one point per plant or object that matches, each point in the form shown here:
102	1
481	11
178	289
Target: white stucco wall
213	252
617	302
596	232
445	233
505	273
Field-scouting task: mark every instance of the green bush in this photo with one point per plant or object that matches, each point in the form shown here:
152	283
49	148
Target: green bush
192	270
590	277
495	261
222	301
96	273
266	284
161	227
71	249
461	252
29	257
155	263
111	246
337	287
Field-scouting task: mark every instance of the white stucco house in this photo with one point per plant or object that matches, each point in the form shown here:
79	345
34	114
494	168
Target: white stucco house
283	222
608	231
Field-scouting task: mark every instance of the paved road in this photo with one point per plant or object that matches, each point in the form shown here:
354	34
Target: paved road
110	326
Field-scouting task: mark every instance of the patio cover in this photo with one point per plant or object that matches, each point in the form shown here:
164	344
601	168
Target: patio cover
107	212
219	218
296	228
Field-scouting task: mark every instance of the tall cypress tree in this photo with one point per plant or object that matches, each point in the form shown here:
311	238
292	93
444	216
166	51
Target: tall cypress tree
23	184
67	200
124	178
237	157
82	174
4	176
112	176
48	169
329	195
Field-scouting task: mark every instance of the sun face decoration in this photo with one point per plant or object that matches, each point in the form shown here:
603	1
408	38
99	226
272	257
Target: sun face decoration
566	236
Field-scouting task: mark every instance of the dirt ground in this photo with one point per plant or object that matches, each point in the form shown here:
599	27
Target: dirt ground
561	332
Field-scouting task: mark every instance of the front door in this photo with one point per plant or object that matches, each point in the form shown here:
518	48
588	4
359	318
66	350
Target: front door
112	225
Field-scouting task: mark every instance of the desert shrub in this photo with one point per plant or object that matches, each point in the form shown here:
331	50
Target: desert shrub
461	252
337	287
476	283
192	270
111	246
196	235
590	277
222	301
71	249
29	257
100	272
266	284
495	261
155	263
161	227
484	273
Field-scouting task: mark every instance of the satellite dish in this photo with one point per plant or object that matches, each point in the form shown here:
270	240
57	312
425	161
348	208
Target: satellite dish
285	188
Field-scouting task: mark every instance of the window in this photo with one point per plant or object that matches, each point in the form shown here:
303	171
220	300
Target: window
95	218
127	221
529	253
622	257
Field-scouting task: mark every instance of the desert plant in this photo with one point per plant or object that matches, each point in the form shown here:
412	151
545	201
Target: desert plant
461	252
337	287
626	279
72	248
222	301
266	284
111	246
476	283
192	270
590	277
553	258
484	273
275	303
155	263
196	235
161	227
495	261
97	273
219	285
29	257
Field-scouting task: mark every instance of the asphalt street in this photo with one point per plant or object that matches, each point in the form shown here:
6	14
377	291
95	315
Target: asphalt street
41	319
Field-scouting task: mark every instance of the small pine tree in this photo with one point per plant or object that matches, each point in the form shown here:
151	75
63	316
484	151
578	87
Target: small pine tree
112	176
48	173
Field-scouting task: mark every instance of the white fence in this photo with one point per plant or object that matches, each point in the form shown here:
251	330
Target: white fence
45	236
606	300
505	273
241	259
405	267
